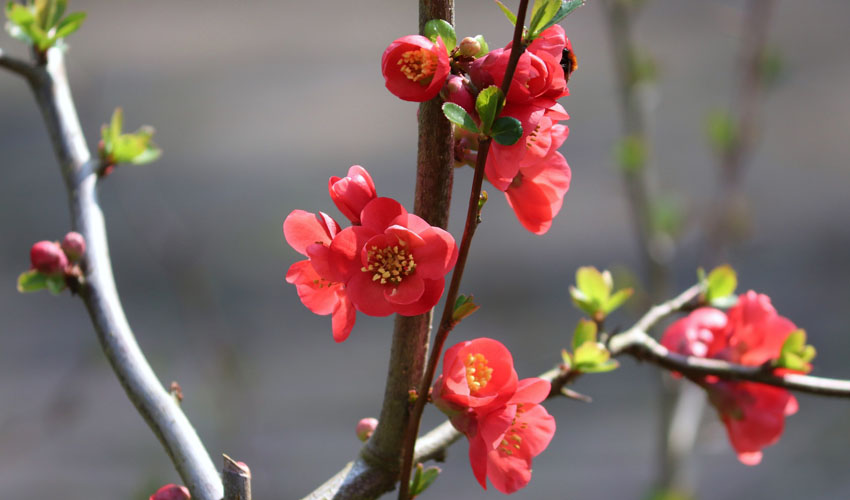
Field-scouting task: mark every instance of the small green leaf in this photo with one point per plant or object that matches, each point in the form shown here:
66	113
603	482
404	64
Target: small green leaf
631	154
69	25
441	28
116	124
606	366
428	476
542	12
795	354
567	8
722	131
593	284
565	357
460	117
488	104
507	130
585	332
55	284
485	49
617	299
31	281
55	10
464	307
507	12
149	155
581	301
722	282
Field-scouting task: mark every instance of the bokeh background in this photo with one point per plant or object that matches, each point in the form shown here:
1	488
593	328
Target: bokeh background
256	104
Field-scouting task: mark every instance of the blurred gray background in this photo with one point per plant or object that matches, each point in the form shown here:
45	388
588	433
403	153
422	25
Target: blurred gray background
256	104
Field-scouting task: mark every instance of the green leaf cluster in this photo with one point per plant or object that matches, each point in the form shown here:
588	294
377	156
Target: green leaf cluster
33	281
796	354
505	130
40	22
546	13
464	307
440	28
589	356
422	479
136	148
594	292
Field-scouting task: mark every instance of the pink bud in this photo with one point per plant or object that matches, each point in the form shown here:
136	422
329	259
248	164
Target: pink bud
47	257
353	192
74	246
171	492
455	91
469	47
365	428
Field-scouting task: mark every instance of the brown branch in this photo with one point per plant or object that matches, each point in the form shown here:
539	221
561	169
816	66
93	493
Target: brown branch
17	66
99	293
447	323
236	477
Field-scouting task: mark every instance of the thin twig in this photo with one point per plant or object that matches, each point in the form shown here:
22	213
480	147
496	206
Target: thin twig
236	477
152	401
17	66
472	216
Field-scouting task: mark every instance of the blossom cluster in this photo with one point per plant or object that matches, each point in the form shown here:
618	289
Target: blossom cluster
388	261
750	333
500	415
531	172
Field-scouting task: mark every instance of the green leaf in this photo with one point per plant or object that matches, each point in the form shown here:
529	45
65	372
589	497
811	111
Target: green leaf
464	307
631	154
507	12
440	28
485	49
585	332
55	10
116	124
19	14
593	284
722	131
607	366
795	354
567	8
616	300
428	476
69	25
460	117
506	130
31	281
542	12
592	357
565	357
722	282
488	104
581	301
149	155
55	284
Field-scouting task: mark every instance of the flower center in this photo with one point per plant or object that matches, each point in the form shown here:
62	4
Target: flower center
389	264
418	64
477	372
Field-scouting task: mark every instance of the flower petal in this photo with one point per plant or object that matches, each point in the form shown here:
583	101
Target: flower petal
368	296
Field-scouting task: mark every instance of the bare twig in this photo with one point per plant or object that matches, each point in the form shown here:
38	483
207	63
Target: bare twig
17	66
236	477
152	401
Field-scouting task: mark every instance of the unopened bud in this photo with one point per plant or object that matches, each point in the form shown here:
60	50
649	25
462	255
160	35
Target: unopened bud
171	492
47	257
74	246
365	428
469	47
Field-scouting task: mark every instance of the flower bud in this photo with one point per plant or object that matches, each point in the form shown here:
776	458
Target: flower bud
74	246
469	47
353	192
365	428
455	91
47	257
171	492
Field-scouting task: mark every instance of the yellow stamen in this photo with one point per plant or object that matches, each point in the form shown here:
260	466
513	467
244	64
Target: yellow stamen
418	65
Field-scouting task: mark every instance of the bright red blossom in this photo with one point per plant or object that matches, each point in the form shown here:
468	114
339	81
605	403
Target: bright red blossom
311	235
750	333
415	68
353	192
501	417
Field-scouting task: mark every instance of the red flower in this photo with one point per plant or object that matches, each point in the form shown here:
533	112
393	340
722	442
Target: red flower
537	192
47	257
353	192
311	236
750	333
171	492
477	374
415	68
394	262
502	418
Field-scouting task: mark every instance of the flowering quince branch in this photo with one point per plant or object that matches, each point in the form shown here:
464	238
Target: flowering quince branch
162	413
17	66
